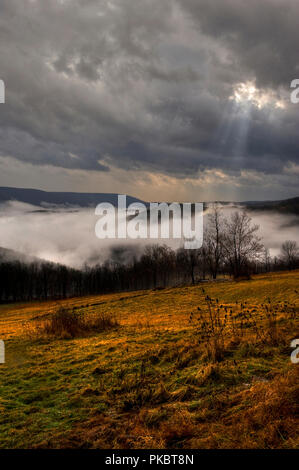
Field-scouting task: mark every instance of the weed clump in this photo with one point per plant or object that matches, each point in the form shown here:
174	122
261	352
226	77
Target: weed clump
65	323
223	327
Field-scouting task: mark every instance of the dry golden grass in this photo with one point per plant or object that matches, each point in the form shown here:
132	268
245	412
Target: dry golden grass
153	382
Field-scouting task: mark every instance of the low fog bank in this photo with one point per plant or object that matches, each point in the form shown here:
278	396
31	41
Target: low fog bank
67	236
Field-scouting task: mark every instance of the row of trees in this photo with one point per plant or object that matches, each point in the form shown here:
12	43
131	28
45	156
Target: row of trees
231	247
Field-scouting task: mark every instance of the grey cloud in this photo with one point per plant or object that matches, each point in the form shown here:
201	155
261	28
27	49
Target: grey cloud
262	34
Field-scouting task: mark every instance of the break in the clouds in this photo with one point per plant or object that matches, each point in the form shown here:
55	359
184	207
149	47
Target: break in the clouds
186	90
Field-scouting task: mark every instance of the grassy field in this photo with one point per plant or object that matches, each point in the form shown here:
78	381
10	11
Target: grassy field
152	381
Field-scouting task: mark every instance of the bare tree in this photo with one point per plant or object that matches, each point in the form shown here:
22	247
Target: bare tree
267	260
214	238
188	261
158	261
202	261
241	243
290	253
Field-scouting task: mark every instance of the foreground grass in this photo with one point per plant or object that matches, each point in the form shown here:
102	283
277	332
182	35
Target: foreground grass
149	383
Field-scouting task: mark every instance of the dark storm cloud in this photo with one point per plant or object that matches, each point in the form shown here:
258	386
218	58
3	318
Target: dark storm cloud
261	34
147	84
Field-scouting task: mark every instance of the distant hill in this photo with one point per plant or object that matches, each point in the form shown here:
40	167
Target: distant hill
47	199
284	206
287	206
44	198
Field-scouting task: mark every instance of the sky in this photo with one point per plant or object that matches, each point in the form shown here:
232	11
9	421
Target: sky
183	100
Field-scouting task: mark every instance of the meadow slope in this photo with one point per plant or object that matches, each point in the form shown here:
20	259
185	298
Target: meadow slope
150	382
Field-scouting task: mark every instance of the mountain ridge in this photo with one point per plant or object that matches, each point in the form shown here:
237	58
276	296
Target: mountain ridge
37	197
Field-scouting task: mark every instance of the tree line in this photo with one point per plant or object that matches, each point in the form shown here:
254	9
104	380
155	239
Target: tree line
231	247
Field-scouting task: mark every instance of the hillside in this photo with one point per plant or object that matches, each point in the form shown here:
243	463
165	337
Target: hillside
9	256
44	198
150	382
287	206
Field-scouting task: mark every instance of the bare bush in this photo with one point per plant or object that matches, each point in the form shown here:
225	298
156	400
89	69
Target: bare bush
211	329
219	326
67	323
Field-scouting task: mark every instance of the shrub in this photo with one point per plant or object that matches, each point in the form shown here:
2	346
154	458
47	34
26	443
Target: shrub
65	323
211	330
222	327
